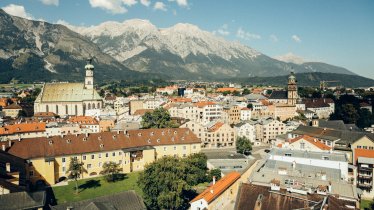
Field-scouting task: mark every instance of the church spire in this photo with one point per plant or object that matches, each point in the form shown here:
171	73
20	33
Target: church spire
88	81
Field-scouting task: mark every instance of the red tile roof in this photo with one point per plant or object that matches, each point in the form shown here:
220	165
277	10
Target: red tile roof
201	104
229	89
216	126
13	106
56	146
181	100
86	120
217	189
363	153
22	128
311	140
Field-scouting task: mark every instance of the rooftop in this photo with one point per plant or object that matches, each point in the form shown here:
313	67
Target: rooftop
106	141
218	188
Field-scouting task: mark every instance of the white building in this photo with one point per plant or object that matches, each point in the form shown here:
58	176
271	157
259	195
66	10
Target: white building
246	129
69	98
245	114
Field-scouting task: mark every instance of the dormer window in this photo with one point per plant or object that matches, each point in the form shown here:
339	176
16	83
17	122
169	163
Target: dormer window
152	133
101	145
182	138
84	139
163	133
99	138
175	132
139	134
68	141
158	140
149	141
50	142
172	138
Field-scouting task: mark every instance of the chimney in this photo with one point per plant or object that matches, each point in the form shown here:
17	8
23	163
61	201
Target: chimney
214	180
8	167
3	147
9	143
258	204
330	187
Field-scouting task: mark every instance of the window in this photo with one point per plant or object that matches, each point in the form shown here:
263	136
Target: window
63	160
76	109
63	169
99	155
99	164
56	109
120	162
175	147
164	148
288	155
184	147
89	166
106	154
358	147
113	154
325	158
184	155
47	108
364	147
302	145
92	157
84	157
31	173
119	153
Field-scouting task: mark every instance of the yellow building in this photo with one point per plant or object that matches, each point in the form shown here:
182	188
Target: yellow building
49	157
12	110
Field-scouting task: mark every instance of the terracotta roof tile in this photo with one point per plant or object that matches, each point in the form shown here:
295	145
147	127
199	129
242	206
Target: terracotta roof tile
201	104
105	141
217	189
229	89
22	128
363	153
216	126
142	112
311	140
87	120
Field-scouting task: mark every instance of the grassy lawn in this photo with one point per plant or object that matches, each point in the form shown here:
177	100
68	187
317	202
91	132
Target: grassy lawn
365	204
95	187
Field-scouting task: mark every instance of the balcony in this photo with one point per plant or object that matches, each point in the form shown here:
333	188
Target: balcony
365	176
364	185
365	169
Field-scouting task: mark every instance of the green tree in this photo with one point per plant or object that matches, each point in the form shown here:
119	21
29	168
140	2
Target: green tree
236	93
111	171
159	118
164	185
75	171
197	167
365	119
349	113
250	106
246	91
243	145
214	172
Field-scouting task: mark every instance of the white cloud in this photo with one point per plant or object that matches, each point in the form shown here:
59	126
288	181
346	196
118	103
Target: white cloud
145	2
274	38
296	38
17	10
290	58
181	3
129	2
113	6
160	6
246	35
223	30
50	2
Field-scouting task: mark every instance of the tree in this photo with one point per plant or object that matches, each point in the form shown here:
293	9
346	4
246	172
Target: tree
167	182
159	118
164	185
111	171
243	145
365	119
250	106
197	167
214	173
75	170
246	91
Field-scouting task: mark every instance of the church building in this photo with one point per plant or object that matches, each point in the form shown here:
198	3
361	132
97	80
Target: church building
289	96
67	99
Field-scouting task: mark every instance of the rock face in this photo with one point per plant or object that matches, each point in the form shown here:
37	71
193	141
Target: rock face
38	51
185	51
33	51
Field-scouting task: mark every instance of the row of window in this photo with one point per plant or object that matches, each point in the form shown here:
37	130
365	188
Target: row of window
365	147
84	157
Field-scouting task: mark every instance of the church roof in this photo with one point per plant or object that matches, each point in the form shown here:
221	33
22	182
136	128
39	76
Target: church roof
70	92
278	94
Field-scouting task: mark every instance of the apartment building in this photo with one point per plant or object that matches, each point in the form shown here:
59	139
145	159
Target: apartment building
22	130
48	158
268	129
246	129
232	113
209	111
245	114
89	124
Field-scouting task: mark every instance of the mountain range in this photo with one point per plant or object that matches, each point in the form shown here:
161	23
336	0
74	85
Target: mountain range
39	51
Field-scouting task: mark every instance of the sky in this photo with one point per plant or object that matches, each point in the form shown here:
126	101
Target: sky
337	32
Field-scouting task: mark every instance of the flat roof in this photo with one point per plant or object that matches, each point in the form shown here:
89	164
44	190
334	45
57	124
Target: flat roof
309	155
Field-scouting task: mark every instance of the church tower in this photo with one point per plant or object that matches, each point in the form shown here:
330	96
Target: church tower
292	95
88	81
